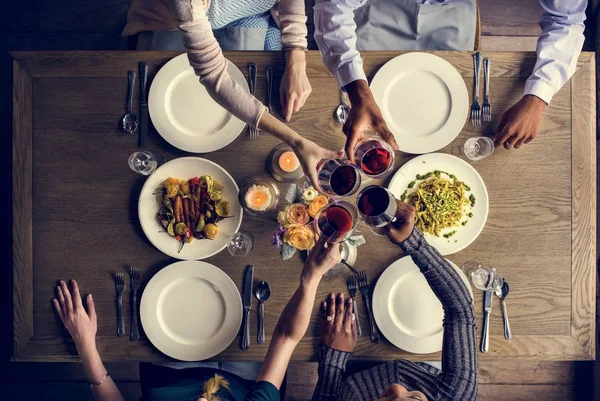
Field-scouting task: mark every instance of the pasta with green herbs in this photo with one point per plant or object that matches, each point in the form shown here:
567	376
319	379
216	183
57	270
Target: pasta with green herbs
440	200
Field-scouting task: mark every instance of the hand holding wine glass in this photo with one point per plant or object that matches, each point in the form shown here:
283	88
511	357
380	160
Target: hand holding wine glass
400	229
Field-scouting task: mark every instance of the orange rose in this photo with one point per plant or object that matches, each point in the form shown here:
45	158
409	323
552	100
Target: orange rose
316	205
296	214
300	237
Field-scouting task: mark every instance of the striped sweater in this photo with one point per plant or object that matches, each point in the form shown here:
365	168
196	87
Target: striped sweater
458	379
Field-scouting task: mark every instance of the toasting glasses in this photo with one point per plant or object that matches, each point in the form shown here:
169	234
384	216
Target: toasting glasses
336	221
377	207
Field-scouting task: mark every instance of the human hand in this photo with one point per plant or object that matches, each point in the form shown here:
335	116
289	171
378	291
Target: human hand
321	259
364	115
338	330
520	124
82	325
400	229
295	86
310	155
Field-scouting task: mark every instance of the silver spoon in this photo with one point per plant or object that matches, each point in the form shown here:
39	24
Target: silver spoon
343	110
502	293
130	121
262	293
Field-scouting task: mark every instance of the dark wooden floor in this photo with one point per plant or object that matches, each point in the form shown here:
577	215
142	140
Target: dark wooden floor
96	25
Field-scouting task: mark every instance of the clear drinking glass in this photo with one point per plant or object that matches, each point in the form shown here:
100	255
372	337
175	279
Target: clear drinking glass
474	149
338	177
374	157
143	162
241	243
336	221
483	277
377	208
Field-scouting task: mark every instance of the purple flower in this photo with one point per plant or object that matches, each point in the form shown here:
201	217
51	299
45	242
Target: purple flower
277	238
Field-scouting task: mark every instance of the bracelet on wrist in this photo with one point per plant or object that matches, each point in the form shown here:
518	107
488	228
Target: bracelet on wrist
101	381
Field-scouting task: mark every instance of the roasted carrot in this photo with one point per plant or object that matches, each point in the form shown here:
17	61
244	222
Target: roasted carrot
178	209
197	202
186	212
192	213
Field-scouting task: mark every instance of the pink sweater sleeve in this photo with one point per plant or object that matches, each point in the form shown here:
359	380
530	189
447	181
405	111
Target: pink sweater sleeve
210	65
292	22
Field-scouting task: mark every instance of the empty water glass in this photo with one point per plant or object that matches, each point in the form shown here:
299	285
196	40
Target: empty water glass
474	149
241	243
143	162
484	278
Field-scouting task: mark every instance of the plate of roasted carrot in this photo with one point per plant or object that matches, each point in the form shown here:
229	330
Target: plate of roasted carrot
189	208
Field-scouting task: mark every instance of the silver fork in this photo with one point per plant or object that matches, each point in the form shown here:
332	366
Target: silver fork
365	290
486	108
475	108
120	286
252	71
351	284
134	280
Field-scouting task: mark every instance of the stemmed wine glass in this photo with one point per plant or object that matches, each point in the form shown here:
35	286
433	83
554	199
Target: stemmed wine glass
336	221
374	157
377	207
338	177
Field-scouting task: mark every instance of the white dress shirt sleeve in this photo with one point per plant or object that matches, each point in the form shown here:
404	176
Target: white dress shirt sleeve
335	33
558	46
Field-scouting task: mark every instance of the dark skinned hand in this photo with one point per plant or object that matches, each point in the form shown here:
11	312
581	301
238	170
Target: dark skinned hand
520	124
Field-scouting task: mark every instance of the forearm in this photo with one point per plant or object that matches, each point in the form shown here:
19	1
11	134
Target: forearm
281	131
209	63
292	19
295	317
558	48
332	364
441	276
95	371
335	33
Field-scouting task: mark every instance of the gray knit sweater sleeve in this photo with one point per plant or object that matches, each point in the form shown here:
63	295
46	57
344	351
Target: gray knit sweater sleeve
459	349
332	364
458	380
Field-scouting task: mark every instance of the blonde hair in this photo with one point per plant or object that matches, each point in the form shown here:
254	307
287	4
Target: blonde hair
212	386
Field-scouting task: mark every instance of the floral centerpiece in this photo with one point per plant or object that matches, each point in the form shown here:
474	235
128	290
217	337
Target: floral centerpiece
296	228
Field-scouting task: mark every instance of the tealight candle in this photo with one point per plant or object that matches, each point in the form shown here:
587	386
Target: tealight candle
258	197
288	162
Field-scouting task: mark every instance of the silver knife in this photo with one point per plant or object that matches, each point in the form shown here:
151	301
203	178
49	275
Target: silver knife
248	279
487	308
143	104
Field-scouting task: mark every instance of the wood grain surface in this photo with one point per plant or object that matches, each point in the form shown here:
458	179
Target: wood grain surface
540	231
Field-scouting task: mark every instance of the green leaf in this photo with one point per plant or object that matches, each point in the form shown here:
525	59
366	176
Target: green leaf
287	251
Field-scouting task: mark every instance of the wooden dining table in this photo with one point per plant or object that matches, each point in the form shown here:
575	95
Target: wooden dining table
74	206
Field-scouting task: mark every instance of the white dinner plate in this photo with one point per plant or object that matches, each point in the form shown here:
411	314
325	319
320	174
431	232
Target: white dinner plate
423	99
149	203
185	115
191	310
406	310
464	172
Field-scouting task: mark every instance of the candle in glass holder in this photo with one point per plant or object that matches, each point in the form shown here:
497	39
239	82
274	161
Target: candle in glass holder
258	197
288	161
283	164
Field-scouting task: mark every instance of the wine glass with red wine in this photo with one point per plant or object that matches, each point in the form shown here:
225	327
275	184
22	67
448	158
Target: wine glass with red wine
374	157
336	221
339	177
377	207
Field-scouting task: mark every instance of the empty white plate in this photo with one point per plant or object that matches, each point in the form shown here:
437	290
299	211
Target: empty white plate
406	310
185	168
466	173
423	99
185	115
191	310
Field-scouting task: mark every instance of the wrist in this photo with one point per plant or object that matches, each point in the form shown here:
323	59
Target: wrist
536	102
359	91
295	58
310	278
87	350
